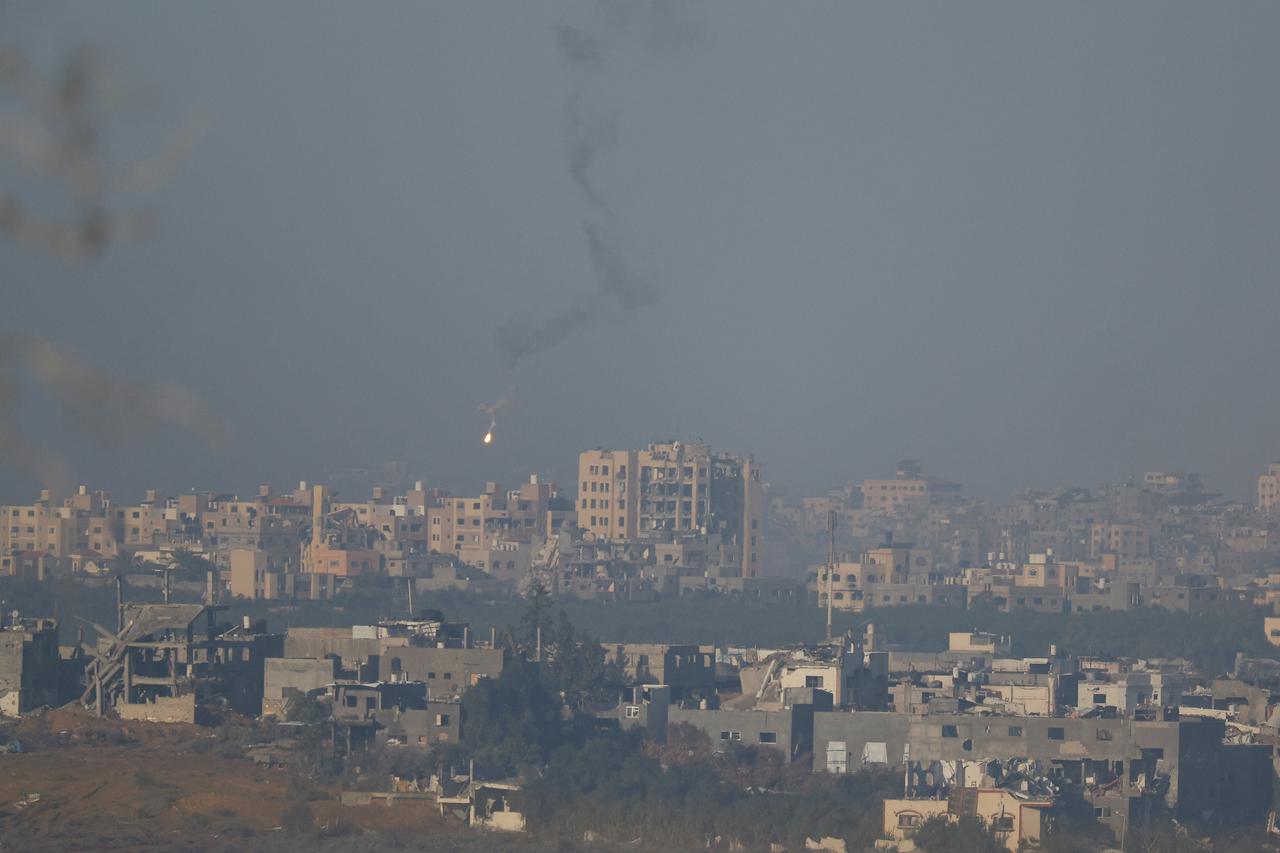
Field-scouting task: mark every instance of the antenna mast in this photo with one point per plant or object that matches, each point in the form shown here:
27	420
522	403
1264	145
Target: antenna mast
831	564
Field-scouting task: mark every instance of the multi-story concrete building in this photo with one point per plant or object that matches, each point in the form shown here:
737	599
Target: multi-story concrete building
1269	489
526	514
30	665
671	489
1129	541
909	489
688	672
1117	764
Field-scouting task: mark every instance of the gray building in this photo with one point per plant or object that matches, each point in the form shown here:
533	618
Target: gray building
448	673
1117	763
30	665
789	731
284	678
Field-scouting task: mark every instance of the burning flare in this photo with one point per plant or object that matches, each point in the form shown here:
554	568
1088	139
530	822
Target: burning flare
492	412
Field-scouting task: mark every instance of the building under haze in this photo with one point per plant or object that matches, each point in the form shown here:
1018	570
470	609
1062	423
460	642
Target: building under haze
1269	489
670	490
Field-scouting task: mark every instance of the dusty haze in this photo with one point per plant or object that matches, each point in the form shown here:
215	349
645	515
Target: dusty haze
1028	244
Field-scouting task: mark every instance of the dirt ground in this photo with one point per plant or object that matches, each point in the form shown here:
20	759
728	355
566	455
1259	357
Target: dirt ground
88	783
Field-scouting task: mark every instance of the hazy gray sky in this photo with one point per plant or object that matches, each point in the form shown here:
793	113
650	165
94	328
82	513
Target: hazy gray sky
1027	243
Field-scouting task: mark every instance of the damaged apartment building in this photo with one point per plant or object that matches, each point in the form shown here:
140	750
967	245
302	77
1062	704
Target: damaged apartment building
33	673
780	691
1124	769
391	714
167	659
399	682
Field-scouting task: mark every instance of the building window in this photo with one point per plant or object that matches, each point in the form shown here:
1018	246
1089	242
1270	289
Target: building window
442	719
1105	734
633	713
768	737
724	736
1015	731
950	731
1057	733
813	681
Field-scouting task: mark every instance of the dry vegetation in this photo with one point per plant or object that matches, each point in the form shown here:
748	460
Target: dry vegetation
107	784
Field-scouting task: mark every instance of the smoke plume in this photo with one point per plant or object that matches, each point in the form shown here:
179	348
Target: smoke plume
56	138
591	128
112	409
59	139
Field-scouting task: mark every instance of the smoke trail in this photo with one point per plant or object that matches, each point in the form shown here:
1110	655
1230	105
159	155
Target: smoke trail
519	338
112	409
60	140
492	411
591	128
614	276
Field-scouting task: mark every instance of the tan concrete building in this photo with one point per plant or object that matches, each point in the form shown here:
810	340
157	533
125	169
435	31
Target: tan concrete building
1128	541
1271	625
891	495
1017	821
1269	489
525	514
671	489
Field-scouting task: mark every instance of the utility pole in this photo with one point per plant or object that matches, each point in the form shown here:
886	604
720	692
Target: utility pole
831	564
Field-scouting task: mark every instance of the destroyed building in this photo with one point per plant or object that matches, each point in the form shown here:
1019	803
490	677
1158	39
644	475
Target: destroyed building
851	672
166	659
688	672
1123	768
392	714
30	665
286	678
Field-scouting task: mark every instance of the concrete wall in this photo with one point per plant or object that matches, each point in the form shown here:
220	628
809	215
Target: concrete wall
1190	752
448	672
322	642
747	728
441	722
282	677
178	709
30	669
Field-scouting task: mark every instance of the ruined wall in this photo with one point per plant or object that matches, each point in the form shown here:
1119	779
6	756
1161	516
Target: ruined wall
30	669
448	672
179	709
283	677
322	642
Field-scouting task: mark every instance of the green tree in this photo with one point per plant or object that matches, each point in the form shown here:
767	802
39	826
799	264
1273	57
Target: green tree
576	667
537	615
192	565
512	721
301	708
